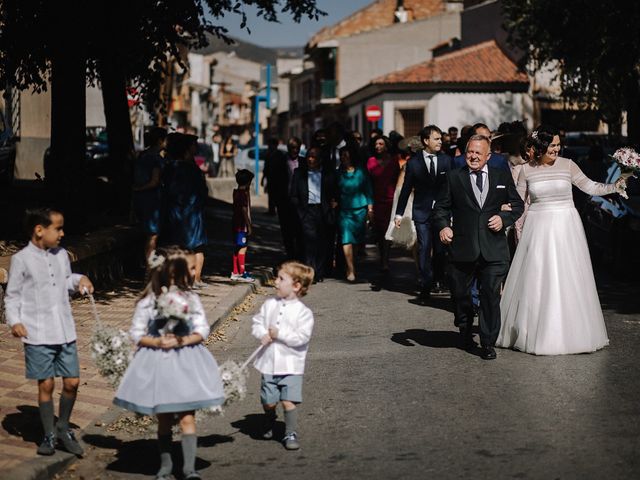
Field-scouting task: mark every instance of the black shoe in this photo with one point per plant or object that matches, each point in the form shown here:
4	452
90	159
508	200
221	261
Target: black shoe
425	294
488	353
69	443
438	288
48	445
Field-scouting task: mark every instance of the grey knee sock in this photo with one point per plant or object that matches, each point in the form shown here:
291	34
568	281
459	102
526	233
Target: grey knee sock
66	405
46	416
291	420
189	446
164	445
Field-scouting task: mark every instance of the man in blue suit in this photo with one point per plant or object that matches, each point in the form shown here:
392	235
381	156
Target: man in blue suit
496	160
425	174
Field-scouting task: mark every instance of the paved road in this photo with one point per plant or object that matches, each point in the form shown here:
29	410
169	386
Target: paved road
388	395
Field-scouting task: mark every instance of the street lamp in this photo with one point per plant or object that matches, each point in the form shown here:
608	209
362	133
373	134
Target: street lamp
271	100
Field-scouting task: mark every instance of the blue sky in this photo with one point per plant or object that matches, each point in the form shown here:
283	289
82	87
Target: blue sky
287	32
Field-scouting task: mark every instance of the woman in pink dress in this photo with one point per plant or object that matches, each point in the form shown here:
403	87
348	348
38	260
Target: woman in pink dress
384	169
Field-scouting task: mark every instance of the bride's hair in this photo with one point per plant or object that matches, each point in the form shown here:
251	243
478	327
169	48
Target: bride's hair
540	139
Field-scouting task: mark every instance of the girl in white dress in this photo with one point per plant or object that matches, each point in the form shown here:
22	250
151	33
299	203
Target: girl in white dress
550	304
171	374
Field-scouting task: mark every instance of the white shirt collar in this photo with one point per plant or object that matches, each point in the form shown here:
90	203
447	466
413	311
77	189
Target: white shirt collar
484	169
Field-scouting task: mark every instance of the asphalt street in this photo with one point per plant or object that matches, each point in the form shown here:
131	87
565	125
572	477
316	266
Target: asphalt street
389	395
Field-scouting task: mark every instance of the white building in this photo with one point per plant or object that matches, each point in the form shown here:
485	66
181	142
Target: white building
474	84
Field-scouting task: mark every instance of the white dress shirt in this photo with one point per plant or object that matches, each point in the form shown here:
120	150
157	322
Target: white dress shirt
315	187
146	312
38	295
427	161
286	354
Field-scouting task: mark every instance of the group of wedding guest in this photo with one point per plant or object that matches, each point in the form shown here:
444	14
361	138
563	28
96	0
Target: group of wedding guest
169	194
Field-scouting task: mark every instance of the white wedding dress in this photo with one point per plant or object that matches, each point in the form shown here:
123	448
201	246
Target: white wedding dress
550	304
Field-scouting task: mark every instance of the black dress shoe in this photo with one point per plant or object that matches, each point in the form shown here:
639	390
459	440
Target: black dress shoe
425	294
488	353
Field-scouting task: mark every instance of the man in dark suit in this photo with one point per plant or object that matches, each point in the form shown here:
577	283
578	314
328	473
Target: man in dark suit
473	196
314	193
279	173
425	173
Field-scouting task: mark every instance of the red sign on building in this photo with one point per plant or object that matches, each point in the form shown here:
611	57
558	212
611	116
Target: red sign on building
373	113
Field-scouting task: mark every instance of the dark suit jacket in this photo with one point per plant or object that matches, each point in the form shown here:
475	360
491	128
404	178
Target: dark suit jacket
425	188
471	234
496	160
300	192
277	172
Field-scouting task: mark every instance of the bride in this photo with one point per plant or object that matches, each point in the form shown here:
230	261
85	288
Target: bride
550	304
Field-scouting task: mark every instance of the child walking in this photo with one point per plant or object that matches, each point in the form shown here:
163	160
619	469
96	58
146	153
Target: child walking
172	374
38	312
241	225
284	327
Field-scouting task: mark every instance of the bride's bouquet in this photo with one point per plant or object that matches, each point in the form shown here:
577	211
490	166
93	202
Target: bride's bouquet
628	160
176	307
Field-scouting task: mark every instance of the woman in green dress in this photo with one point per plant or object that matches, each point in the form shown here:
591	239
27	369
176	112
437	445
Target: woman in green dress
356	205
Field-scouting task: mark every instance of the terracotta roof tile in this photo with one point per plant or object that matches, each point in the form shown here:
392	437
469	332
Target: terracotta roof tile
379	14
481	63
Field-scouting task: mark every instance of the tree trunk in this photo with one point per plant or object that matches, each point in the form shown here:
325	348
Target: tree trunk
119	134
65	167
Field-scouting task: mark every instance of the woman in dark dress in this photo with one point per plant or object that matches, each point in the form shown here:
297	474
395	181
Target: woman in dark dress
384	169
147	181
185	193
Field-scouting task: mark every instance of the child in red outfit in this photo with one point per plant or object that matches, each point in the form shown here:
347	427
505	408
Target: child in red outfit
241	225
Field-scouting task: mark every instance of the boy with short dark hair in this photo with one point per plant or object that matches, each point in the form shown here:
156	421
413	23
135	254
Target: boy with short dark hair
241	224
38	311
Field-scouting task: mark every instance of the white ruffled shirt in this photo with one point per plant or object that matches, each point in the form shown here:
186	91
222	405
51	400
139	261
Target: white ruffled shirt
285	355
146	312
38	295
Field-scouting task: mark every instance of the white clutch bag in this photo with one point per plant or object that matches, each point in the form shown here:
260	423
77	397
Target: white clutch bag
405	236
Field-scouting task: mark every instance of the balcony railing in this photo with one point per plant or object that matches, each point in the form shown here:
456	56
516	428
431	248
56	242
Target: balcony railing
328	89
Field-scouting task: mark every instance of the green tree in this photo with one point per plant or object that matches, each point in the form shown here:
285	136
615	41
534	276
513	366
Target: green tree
116	43
596	45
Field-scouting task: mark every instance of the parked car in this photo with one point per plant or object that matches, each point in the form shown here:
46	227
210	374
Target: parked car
612	227
96	154
576	145
246	158
204	159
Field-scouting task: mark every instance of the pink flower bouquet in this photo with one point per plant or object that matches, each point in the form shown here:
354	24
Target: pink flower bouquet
629	161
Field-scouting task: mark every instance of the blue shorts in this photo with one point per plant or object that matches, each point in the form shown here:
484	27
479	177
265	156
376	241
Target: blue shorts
240	239
275	388
49	361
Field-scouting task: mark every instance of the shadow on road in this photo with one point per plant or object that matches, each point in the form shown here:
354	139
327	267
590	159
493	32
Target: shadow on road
141	456
419	336
26	424
252	425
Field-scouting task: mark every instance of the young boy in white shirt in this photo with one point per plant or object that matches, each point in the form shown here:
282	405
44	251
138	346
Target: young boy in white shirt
38	311
284	327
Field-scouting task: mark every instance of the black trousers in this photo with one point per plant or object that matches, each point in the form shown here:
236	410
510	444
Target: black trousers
291	230
491	276
315	231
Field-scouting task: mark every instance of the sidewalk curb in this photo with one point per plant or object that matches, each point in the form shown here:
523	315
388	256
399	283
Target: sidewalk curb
45	468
